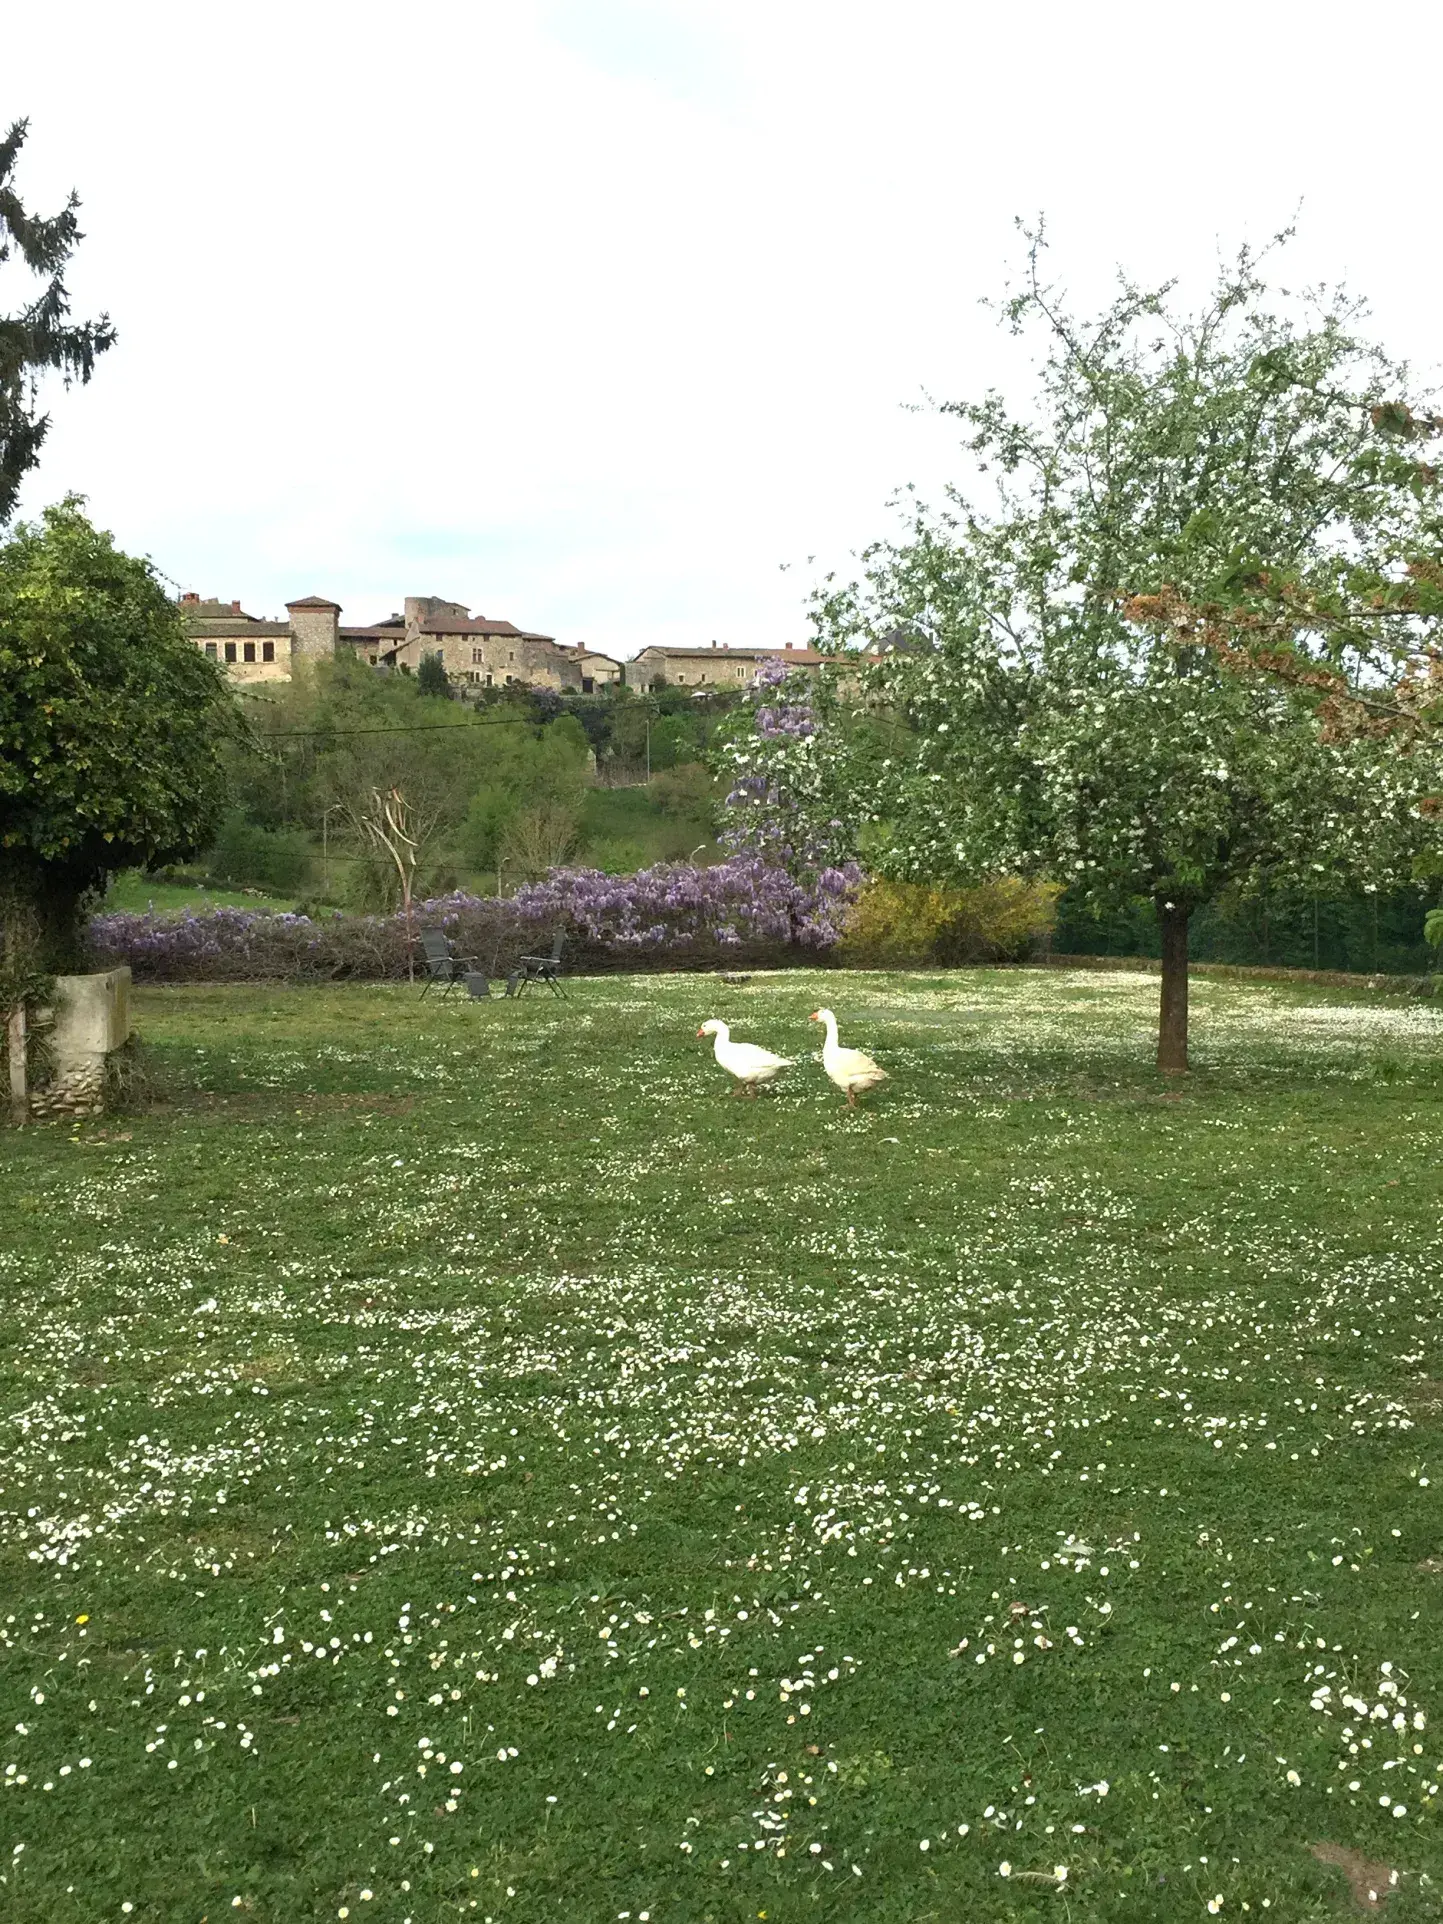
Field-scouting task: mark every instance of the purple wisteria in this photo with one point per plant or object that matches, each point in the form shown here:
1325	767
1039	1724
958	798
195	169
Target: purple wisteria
777	809
672	915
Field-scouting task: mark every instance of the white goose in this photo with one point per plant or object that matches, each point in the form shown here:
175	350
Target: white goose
850	1069
750	1065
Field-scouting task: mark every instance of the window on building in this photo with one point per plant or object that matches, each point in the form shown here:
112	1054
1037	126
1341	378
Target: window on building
230	651
488	681
588	686
250	649
210	649
268	651
477	657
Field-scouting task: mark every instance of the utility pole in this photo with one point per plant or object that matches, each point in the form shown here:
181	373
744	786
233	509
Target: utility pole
326	849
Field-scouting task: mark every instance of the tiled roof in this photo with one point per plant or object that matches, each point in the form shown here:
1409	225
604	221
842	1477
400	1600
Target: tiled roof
314	601
726	653
210	608
233	628
457	625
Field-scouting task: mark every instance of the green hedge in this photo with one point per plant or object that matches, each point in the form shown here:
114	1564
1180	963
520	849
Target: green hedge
1357	935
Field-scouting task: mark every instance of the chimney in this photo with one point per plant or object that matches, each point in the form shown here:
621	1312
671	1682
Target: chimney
189	600
235	607
713	644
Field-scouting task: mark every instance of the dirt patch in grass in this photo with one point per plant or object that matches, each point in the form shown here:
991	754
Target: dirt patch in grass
279	1368
1372	1884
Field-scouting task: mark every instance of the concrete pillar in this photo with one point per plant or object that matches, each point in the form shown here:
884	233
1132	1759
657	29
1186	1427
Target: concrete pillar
91	1017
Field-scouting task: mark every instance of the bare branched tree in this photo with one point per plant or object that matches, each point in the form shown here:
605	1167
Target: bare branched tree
385	823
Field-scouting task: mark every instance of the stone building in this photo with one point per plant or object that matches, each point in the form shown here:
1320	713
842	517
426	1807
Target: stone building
597	670
251	649
478	651
717	667
474	650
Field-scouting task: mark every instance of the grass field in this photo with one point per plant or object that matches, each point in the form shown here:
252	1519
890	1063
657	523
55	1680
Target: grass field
457	1462
138	893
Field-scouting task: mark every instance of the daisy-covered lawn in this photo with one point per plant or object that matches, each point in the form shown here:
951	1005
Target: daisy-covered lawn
455	1462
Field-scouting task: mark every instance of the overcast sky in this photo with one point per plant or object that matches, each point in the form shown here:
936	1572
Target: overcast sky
611	317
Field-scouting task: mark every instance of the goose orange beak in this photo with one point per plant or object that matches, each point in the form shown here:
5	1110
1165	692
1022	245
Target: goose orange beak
700	1033
815	1016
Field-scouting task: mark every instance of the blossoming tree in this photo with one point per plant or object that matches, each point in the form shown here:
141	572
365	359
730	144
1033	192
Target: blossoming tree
1052	727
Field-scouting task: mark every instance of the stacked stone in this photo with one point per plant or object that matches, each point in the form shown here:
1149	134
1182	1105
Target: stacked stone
91	1019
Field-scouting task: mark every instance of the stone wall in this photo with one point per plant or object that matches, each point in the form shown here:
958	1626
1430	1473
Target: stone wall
315	630
90	1019
494	660
278	668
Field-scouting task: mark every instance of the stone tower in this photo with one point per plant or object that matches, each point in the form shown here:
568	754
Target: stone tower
315	628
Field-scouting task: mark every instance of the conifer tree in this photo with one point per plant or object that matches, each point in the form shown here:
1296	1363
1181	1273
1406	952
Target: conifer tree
38	337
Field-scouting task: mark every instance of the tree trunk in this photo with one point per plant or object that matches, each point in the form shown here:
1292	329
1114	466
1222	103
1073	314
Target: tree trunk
60	914
1172	921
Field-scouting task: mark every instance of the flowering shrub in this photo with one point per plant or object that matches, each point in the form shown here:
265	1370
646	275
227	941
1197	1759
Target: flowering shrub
906	924
739	903
782	805
672	915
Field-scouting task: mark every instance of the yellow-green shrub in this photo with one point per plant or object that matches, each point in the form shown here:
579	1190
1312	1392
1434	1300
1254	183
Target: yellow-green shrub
902	924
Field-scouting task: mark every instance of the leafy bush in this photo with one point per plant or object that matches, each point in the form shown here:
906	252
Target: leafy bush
540	838
111	723
898	924
432	679
615	856
253	857
675	740
689	789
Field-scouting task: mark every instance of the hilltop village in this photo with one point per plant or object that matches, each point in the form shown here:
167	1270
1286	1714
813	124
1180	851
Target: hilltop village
476	651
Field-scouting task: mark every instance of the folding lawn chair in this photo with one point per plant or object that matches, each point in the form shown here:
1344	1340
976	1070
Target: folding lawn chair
443	965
